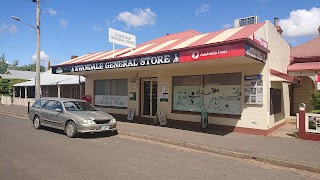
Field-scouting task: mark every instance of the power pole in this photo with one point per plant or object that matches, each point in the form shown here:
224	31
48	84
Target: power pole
38	90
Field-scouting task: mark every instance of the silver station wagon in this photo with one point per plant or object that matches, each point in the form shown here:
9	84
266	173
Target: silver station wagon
71	115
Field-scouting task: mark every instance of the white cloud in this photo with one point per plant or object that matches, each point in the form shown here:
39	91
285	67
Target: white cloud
227	26
96	28
301	23
202	9
139	17
52	12
11	28
43	56
64	23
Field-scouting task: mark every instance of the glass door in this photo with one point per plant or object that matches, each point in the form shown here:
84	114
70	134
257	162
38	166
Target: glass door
149	97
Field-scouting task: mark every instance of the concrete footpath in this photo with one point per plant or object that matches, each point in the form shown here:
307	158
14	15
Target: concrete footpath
288	152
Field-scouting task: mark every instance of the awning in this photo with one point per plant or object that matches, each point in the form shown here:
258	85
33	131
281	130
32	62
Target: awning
279	76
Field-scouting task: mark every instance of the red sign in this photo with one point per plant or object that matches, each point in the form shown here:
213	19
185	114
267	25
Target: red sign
224	51
260	41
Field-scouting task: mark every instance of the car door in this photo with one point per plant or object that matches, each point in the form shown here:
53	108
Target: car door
57	115
46	111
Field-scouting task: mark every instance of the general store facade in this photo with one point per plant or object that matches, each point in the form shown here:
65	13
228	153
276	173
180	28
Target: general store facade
237	75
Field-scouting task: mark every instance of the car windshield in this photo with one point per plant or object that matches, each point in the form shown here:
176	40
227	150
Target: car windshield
78	106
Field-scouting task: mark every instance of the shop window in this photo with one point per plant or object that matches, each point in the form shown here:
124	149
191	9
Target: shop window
111	92
111	87
275	100
217	93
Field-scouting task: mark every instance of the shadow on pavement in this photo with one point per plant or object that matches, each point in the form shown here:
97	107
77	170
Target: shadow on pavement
83	135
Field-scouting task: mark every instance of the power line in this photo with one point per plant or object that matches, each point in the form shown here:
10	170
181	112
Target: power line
55	30
29	15
5	7
12	11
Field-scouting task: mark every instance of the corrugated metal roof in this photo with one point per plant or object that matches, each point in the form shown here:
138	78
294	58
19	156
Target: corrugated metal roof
47	78
171	42
308	49
17	74
304	66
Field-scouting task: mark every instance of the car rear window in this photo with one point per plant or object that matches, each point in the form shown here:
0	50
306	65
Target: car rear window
39	103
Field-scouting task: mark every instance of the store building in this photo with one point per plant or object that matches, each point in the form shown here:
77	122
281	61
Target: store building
237	75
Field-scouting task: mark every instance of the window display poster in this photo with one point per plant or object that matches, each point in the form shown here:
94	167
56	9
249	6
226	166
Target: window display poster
164	92
187	98
223	99
253	90
219	99
109	100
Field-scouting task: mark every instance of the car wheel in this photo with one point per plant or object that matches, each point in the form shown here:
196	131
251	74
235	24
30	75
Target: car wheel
36	122
115	132
71	129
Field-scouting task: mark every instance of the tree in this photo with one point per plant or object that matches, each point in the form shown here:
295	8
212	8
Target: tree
3	64
14	65
31	67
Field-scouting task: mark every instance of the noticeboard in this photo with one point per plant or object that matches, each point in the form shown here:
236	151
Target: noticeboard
253	89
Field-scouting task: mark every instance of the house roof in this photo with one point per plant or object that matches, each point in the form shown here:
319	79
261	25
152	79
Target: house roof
305	66
17	74
47	78
306	57
308	49
171	42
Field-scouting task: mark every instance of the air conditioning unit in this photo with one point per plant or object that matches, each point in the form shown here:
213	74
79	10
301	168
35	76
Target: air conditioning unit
246	20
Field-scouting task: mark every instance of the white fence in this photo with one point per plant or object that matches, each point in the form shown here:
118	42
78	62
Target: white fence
8	100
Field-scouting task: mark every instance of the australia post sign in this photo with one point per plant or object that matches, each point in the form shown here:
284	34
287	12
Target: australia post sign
113	64
122	38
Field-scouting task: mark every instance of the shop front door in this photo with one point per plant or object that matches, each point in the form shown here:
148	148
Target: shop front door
149	97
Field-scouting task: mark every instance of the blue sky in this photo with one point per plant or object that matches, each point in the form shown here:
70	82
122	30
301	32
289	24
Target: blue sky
74	27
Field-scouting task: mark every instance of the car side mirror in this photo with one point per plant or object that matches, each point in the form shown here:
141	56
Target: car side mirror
58	110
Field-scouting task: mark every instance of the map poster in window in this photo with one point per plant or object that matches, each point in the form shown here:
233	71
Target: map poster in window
253	89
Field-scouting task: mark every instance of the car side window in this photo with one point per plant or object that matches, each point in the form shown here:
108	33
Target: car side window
37	104
58	105
48	105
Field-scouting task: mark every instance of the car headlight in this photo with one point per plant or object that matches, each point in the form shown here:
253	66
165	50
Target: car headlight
113	120
87	122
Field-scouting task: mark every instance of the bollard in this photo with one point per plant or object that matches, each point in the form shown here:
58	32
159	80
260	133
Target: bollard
28	106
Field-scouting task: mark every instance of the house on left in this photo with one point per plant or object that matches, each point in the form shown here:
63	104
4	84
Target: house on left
52	85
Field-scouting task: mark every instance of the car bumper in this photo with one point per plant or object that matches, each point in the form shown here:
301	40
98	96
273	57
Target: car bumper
96	128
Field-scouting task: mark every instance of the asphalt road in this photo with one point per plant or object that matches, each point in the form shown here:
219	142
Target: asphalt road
26	153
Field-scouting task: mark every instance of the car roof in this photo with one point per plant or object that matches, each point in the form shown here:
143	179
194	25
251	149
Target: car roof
61	99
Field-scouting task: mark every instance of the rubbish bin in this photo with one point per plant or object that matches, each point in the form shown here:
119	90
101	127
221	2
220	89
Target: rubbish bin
204	118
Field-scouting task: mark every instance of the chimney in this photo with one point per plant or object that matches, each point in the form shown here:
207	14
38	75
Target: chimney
275	23
73	57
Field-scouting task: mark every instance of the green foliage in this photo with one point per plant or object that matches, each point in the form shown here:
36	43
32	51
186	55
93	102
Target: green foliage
3	64
315	111
6	85
315	101
31	67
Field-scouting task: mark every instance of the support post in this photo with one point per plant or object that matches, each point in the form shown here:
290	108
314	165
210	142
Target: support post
59	90
26	92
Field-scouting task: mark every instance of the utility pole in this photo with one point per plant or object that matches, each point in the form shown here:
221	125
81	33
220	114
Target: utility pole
38	90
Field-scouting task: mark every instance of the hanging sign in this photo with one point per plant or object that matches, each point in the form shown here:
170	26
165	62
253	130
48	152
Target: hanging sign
255	53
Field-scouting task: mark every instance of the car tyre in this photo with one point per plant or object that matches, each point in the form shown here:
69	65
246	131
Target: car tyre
115	132
71	129
36	122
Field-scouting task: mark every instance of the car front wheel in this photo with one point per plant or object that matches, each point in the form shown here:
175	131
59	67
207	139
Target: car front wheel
36	122
71	129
